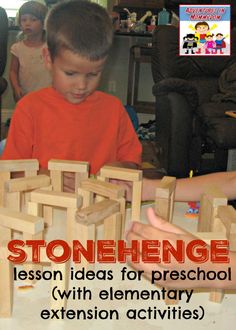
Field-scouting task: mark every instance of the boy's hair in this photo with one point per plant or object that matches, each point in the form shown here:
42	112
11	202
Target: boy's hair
80	26
201	23
34	8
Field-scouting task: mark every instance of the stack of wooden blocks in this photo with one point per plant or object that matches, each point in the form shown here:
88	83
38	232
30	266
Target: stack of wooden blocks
26	205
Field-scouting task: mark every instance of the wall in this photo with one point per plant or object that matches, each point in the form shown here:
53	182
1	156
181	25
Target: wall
115	75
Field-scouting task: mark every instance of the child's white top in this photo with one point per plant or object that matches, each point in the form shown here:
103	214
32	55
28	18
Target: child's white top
33	74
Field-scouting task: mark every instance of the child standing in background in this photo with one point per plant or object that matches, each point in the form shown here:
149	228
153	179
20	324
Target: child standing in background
27	70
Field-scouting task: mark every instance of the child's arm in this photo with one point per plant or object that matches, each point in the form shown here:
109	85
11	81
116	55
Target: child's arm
13	76
159	229
190	189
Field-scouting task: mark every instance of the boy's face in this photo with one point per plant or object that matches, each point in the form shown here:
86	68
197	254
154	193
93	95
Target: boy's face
73	76
202	28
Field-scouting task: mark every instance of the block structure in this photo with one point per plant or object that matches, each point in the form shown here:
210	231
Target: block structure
210	200
29	167
71	202
110	211
16	191
164	199
59	167
12	220
58	170
125	174
7	285
164	206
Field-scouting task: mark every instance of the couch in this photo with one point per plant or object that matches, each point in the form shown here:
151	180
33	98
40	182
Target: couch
192	130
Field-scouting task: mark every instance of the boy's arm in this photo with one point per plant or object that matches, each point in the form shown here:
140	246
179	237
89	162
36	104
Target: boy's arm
20	138
13	76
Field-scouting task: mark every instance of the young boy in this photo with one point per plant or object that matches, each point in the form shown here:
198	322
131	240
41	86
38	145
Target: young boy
71	120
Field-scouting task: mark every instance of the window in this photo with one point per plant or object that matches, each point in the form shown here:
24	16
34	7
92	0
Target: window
12	6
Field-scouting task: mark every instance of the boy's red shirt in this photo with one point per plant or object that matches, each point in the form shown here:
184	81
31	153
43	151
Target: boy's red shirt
98	130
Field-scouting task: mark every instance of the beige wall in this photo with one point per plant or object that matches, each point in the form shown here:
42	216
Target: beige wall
115	75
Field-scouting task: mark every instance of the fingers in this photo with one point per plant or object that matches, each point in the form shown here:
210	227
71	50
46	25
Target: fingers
162	224
139	231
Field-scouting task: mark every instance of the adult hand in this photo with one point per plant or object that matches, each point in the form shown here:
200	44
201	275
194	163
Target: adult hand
159	229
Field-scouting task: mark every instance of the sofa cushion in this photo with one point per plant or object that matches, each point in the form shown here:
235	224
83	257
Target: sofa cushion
220	128
222	131
210	110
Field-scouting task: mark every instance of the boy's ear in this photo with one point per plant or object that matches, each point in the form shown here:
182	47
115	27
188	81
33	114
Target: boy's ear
47	58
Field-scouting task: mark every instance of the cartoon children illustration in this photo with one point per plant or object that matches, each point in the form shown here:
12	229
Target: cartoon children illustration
220	43
190	42
210	44
201	29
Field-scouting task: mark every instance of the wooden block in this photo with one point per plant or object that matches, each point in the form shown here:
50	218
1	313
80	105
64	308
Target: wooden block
30	173
166	187
122	203
101	178
23	222
70	224
56	198
105	189
32	266
136	201
217	227
6	284
61	285
48	210
129	175
68	166
35	209
207	237
112	227
164	199
4	176
216	295
19	165
171	301
210	200
27	183
5	234
96	213
121	173
87	197
227	215
78	178
57	180
162	208
83	234
12	200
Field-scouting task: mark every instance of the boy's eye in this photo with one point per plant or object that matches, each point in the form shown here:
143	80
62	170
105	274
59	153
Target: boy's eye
92	74
69	73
